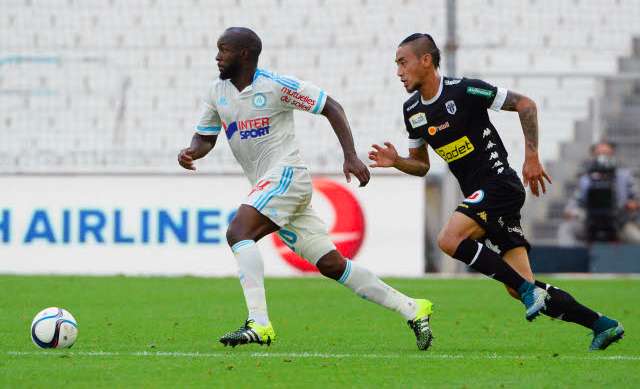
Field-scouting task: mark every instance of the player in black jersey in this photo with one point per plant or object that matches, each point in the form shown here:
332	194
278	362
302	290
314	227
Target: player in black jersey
450	115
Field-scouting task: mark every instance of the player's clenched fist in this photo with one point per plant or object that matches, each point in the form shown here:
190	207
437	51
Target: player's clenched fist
185	159
383	156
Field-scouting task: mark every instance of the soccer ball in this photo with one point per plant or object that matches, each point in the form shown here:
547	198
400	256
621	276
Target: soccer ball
54	328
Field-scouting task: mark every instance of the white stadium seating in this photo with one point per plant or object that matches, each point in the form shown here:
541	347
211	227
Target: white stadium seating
114	85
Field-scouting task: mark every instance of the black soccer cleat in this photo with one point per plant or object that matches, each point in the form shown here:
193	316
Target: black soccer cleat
250	332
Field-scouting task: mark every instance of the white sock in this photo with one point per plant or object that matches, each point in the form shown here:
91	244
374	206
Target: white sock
366	285
251	272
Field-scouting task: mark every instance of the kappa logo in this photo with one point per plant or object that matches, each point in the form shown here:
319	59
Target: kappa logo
222	101
482	215
418	119
475	197
347	232
451	107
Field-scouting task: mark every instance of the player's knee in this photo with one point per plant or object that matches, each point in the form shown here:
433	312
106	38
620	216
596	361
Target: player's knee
448	242
331	265
235	235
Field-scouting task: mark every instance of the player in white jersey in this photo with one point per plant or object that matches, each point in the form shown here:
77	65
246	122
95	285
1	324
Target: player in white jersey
254	109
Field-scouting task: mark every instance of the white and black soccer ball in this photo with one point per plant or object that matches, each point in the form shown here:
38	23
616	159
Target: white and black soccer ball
54	327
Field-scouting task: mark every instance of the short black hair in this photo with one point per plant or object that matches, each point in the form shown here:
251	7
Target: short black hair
423	44
247	39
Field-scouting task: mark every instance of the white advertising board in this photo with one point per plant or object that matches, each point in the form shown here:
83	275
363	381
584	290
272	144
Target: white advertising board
171	225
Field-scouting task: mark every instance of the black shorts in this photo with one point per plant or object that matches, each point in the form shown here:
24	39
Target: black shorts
495	206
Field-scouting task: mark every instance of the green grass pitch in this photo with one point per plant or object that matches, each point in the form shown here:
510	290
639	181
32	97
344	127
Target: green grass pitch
162	332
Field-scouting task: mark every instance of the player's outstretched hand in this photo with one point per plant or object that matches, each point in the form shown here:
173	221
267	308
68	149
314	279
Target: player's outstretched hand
185	159
533	174
383	156
356	167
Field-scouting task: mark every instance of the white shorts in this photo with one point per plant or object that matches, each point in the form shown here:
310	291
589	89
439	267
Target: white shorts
284	196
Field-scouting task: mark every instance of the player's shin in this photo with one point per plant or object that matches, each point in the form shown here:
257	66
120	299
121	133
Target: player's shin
564	307
480	258
368	286
251	272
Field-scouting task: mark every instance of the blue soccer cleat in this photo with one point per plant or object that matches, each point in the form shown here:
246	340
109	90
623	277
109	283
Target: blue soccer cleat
534	299
605	332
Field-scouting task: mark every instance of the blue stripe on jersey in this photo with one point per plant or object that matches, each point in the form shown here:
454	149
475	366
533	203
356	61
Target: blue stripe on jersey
284	81
283	186
319	102
213	130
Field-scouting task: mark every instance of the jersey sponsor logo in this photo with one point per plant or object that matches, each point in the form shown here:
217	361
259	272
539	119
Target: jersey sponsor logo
452	81
515	229
434	129
472	90
451	107
297	99
456	149
418	119
259	100
475	197
230	129
249	129
347	232
412	106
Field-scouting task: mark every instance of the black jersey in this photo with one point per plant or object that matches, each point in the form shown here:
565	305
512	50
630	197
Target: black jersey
455	123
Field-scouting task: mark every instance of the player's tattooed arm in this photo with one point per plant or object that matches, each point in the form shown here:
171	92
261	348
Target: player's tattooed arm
334	112
200	146
416	164
532	171
528	113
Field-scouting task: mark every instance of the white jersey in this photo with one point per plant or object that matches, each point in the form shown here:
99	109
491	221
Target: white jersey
258	121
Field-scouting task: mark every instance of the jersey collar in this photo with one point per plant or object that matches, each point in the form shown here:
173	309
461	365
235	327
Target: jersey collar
437	96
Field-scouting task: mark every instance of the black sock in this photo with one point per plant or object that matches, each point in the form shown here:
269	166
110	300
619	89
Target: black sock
480	258
563	306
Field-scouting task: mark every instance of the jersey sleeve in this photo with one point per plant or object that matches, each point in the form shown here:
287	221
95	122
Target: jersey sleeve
300	95
415	138
485	94
209	122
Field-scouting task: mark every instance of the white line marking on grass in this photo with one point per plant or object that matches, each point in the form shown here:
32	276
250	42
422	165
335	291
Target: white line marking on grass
428	355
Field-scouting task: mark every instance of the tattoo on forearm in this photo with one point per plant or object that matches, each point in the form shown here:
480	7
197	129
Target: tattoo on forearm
528	119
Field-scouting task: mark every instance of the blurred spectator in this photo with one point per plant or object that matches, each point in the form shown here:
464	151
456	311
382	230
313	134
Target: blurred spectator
604	206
